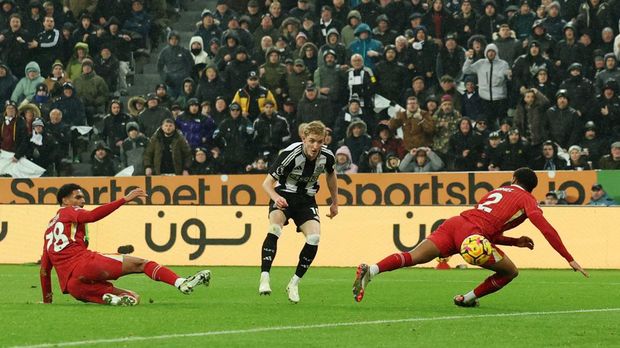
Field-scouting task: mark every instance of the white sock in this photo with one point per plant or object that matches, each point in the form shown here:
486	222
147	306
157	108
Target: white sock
295	280
264	275
178	282
470	296
374	270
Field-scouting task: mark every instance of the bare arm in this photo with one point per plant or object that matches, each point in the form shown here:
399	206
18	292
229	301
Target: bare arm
268	186
332	184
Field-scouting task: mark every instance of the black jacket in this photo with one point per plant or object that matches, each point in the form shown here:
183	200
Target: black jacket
270	134
319	109
563	126
234	137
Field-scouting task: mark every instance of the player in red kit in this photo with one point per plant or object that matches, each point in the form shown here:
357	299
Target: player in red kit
83	273
498	211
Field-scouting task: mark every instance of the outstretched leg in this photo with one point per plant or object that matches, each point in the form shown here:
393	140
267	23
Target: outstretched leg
423	253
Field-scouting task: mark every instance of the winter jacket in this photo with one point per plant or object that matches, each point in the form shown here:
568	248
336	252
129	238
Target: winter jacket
348	32
319	109
202	59
357	145
174	64
348	167
92	89
512	156
19	135
443	132
526	67
181	153
410	165
77	6
132	153
418	128
531	120
339	48
235	75
72	108
108	70
15	53
209	90
392	77
330	77
246	97
580	93
488	25
508	49
234	136
471	105
522	24
74	66
197	129
208	33
458	143
274	76
7	84
150	119
363	46
296	84
270	134
607	162
26	88
492	84
131	105
563	126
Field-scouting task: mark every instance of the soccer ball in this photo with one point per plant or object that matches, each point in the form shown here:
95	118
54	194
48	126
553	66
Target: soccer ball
476	249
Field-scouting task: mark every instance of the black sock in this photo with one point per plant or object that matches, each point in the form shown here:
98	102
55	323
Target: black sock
306	256
268	254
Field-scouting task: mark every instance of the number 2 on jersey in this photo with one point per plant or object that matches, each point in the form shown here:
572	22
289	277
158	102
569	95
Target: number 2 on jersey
493	198
57	237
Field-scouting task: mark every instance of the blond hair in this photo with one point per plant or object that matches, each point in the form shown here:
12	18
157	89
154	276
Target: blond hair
315	127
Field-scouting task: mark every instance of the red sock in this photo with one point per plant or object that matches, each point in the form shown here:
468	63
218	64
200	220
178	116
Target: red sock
491	285
395	261
160	273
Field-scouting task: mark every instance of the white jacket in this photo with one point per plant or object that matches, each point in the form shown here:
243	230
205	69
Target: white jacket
497	83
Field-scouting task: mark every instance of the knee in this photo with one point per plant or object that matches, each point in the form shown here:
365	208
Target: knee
313	239
512	273
138	265
275	229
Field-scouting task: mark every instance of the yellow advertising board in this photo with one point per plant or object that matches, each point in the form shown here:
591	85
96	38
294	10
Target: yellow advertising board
397	189
198	235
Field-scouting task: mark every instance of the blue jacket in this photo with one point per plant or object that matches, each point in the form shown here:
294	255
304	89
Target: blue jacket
363	46
197	129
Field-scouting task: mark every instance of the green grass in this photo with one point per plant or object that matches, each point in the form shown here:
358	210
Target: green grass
232	303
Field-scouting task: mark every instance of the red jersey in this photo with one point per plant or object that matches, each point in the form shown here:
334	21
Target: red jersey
65	242
507	207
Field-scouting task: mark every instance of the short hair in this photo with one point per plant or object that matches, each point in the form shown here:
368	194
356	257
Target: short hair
168	120
526	178
66	190
412	97
314	127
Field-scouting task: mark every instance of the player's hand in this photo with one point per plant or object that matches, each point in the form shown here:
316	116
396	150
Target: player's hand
135	194
333	211
577	268
281	202
525	242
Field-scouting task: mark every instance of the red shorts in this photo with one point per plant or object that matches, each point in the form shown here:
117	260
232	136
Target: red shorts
89	280
450	235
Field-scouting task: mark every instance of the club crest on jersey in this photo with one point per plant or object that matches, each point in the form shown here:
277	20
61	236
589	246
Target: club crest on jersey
280	170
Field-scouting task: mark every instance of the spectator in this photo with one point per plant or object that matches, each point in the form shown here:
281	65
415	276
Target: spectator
210	85
611	72
197	128
372	161
490	20
577	159
562	121
273	73
592	145
120	43
522	21
465	22
421	160
368	48
310	29
544	84
245	38
493	74
92	89
152	117
201	58
27	86
530	116
547	43
357	140
361	81
607	113
450	59
568	51
102	164
107	67
553	23
271	132
220	110
205	162
551	198
297	79
490	153
29	112
418	125
339	50
465	147
309	54
115	127
391	75
344	164
447	86
74	66
446	122
252	97
71	107
174	64
354	19
611	160
61	134
386	141
600	198
290	114
481	128
579	90
438	20
40	146
56	80
133	148
301	9
471	103
266	28
369	10
548	159
14	132
594	15
207	29
314	107
135	106
527	65
383	32
418	90
392	163
423	56
49	43
15	42
512	154
238	70
42	101
8	81
189	90
139	22
347	115
167	152
328	79
234	136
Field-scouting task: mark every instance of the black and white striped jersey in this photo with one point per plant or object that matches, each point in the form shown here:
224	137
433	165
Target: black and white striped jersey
296	174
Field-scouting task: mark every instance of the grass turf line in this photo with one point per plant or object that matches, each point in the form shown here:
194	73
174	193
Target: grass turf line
232	303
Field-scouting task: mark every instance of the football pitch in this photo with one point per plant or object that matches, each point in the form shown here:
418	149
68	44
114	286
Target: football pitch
407	307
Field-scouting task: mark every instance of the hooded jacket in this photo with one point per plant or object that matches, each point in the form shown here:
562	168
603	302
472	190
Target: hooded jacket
114	128
74	67
348	32
357	145
348	167
7	84
363	46
275	73
338	48
131	105
530	120
492	75
201	58
196	128
72	108
607	74
92	89
132	151
26	88
174	62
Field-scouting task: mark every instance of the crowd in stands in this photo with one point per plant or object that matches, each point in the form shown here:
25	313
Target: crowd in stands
471	85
